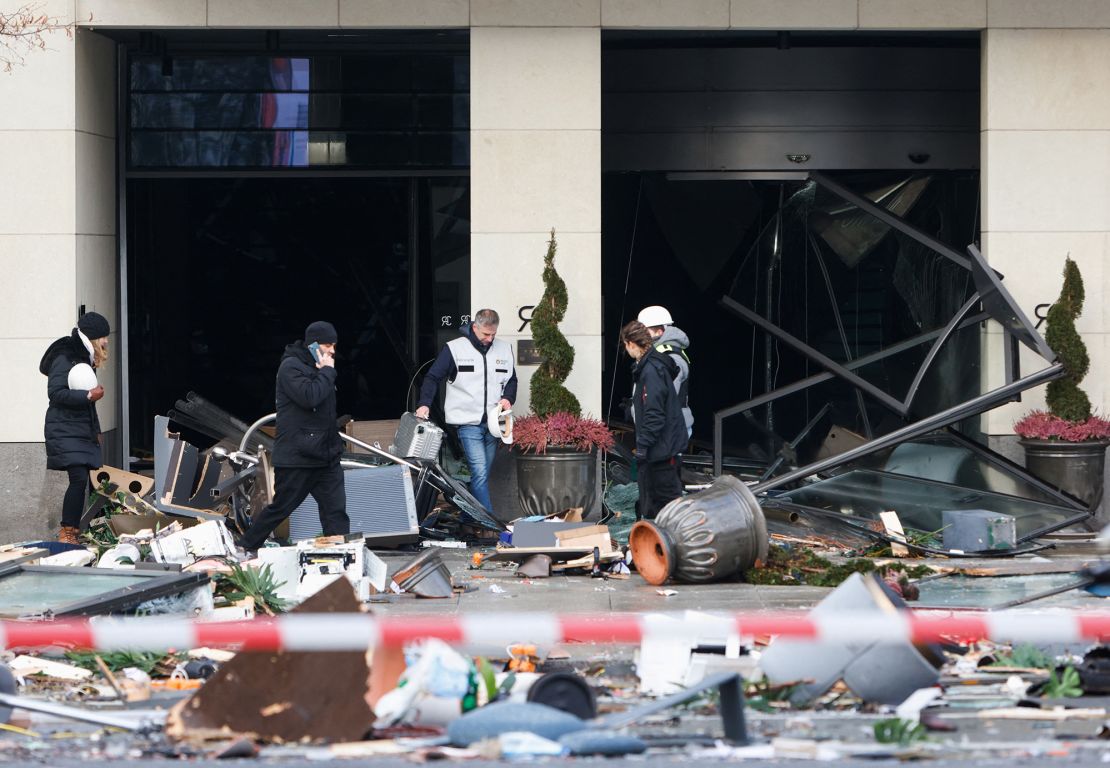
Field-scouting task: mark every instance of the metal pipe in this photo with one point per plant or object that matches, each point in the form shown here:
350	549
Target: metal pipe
251	430
379	452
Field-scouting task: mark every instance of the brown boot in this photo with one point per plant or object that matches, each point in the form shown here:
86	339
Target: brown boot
67	534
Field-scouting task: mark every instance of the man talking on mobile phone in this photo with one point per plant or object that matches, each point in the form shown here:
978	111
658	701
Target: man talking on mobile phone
307	448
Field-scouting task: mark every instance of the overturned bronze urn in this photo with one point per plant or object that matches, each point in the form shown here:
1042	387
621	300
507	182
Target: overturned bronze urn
707	536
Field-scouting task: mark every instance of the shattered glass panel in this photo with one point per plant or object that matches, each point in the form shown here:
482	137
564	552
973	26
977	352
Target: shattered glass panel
849	286
28	592
989	592
920	504
944	458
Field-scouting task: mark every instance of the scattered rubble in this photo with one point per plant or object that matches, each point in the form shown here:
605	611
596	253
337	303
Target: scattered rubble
165	545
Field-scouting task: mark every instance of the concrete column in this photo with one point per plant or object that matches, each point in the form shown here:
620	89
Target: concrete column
1046	158
57	247
535	165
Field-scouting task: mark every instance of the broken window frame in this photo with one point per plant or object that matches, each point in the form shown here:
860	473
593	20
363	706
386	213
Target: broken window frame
996	304
134	589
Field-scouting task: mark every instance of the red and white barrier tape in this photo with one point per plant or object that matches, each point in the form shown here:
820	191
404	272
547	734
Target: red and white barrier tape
351	632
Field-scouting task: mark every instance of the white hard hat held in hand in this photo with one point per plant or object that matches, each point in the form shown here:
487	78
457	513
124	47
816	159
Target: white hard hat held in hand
655	315
82	376
500	423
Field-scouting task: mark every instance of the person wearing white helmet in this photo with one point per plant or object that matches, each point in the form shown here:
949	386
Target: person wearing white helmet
672	341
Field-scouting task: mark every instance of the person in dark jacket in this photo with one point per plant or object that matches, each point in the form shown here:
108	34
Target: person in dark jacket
72	428
307	447
660	427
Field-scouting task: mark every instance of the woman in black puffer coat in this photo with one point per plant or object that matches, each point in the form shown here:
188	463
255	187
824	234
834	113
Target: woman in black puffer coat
72	429
660	427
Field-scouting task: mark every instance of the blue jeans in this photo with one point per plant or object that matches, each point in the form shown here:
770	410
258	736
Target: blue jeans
479	445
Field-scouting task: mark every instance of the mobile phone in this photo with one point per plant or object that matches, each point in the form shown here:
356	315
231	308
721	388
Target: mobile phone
314	349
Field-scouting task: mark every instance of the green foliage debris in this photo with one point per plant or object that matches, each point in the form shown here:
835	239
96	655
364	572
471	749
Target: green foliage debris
1064	686
1024	656
117	660
799	566
256	583
895	730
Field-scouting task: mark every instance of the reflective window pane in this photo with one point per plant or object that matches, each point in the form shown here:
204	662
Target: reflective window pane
358	111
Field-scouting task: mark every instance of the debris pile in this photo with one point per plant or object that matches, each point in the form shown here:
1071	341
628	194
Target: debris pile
164	547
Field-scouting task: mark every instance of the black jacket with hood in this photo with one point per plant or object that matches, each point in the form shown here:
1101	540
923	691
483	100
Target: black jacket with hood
660	427
307	435
72	428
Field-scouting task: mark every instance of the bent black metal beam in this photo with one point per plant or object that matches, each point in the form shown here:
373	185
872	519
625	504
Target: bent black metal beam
972	407
823	360
818	378
946	334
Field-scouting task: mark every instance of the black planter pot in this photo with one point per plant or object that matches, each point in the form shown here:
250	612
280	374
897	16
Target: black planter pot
706	536
1074	468
560	479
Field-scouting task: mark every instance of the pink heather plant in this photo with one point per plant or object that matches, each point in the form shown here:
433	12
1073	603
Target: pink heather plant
1041	425
535	434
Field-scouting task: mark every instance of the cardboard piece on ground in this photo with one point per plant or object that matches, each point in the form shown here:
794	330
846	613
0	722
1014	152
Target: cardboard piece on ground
123	525
587	561
893	526
589	537
542	533
33	665
137	485
287	696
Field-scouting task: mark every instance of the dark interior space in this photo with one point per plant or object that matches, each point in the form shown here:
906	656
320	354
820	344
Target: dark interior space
276	178
811	264
224	272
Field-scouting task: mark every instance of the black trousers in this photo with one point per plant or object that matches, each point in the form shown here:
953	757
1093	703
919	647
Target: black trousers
292	485
659	484
73	503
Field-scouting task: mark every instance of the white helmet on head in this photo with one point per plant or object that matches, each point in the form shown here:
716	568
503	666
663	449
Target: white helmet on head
82	376
655	315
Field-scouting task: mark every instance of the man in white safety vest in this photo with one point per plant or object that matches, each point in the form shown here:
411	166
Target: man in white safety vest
480	373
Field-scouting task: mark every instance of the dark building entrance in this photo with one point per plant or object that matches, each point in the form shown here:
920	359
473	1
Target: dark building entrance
275	179
708	143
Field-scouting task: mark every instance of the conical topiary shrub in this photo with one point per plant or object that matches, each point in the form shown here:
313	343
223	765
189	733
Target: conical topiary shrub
1069	417
547	391
1063	396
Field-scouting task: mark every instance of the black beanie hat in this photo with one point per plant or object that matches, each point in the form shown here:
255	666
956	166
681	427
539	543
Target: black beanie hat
322	332
94	325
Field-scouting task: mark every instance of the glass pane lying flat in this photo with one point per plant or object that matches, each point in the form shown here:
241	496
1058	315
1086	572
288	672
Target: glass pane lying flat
920	504
34	592
944	458
991	592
